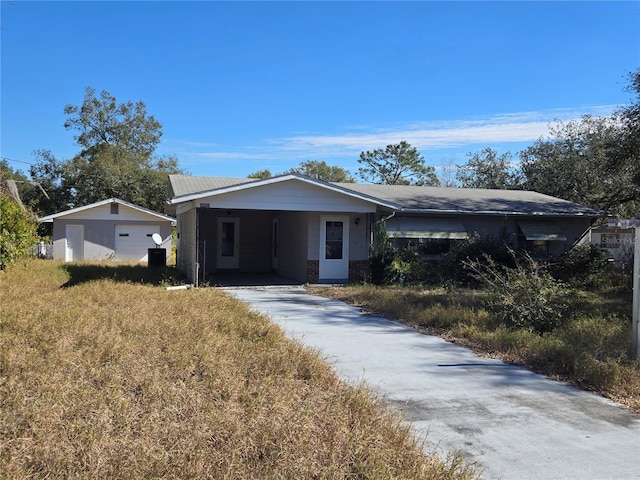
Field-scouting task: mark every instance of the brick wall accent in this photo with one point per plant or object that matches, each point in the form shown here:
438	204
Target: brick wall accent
358	271
313	271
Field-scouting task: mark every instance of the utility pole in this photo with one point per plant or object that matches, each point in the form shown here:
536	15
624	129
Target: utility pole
636	295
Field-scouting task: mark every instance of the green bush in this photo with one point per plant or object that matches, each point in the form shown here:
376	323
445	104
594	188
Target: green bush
411	267
525	296
381	257
477	249
18	231
583	265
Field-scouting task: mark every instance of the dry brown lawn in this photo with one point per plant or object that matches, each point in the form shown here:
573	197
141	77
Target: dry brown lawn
106	374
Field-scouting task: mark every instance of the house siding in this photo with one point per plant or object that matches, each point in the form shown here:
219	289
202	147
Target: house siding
507	225
103	212
99	236
289	196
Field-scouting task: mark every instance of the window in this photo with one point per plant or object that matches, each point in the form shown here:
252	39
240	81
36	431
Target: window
537	248
333	244
428	247
114	209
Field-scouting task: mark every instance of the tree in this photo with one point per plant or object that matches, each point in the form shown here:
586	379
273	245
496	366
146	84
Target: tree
628	160
261	174
399	164
49	173
117	158
594	161
485	169
101	121
579	163
320	170
26	188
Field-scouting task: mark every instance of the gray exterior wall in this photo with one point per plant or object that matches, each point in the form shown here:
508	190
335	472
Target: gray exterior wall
572	228
99	237
293	244
186	244
254	230
495	225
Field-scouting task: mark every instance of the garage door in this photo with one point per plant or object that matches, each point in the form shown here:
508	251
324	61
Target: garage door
133	241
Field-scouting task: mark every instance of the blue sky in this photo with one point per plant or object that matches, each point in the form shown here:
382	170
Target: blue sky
246	86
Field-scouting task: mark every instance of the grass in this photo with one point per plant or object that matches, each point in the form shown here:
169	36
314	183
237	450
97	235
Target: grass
105	374
591	350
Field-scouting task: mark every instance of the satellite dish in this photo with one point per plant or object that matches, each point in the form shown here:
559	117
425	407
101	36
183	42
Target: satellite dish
157	239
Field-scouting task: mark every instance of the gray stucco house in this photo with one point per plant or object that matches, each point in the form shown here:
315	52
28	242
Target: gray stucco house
314	231
108	230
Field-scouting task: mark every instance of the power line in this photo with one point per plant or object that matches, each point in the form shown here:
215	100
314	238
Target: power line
17	161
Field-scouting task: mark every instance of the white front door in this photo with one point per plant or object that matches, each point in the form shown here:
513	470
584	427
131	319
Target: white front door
74	249
228	242
334	248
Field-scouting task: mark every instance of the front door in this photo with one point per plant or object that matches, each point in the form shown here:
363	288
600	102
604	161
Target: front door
228	243
74	249
334	248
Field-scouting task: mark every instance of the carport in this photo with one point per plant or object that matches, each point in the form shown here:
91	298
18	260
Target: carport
234	243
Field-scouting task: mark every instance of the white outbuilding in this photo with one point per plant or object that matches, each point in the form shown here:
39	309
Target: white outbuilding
109	230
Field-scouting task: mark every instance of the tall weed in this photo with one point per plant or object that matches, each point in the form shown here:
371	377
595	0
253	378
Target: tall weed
525	296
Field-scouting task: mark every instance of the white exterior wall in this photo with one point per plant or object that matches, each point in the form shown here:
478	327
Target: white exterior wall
358	236
103	212
288	196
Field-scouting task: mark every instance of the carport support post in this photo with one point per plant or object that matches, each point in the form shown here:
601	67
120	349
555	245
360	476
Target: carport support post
636	296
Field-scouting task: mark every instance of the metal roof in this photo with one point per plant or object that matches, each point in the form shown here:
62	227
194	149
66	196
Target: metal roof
186	184
408	198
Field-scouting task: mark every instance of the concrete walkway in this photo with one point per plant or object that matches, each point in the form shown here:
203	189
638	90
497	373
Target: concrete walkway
518	425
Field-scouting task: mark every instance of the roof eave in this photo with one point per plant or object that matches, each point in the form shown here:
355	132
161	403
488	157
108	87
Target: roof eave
52	217
501	212
281	178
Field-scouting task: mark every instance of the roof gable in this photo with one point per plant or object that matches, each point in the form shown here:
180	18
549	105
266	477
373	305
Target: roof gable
96	210
221	186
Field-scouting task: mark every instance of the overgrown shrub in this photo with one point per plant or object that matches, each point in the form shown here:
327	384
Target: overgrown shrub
381	257
583	265
18	231
477	249
411	267
525	296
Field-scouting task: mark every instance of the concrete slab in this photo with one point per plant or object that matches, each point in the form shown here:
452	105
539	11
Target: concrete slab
515	423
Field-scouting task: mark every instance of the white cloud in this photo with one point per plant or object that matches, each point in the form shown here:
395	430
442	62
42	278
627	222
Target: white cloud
500	129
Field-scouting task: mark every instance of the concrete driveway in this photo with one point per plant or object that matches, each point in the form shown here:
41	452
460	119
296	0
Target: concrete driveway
514	423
